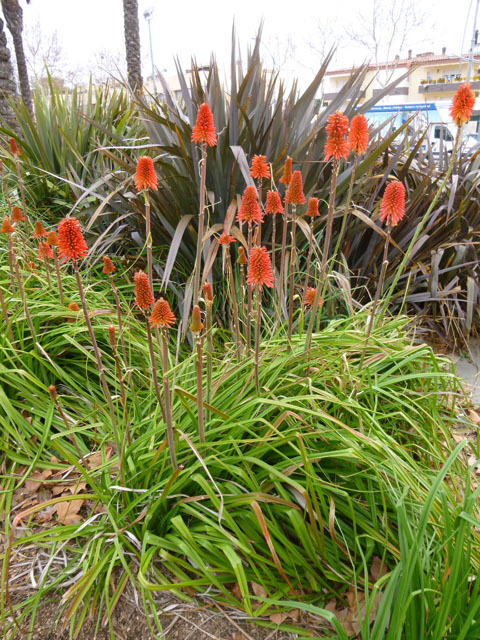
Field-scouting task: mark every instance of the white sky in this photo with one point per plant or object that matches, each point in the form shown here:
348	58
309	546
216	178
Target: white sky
186	27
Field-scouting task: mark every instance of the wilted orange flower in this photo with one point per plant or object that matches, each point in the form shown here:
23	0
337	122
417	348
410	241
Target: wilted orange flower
242	258
17	214
14	150
392	207
287	171
226	239
204	129
73	306
6	225
71	243
310	298
44	251
337	129
145	176
273	203
207	292
162	315
52	239
31	266
259	168
358	135
295	193
197	324
249	208
462	105
259	268
144	297
312	207
39	231
108	266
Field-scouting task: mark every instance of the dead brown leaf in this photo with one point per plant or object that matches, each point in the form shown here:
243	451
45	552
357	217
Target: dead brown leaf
67	512
378	569
36	479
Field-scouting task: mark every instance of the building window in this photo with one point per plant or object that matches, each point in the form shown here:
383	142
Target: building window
441	132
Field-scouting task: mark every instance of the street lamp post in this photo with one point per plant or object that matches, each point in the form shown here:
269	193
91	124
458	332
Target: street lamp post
148	17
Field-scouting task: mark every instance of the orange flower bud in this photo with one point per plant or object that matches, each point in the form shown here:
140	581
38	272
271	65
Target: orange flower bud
249	208
462	105
52	239
111	336
71	243
358	135
337	129
197	324
108	266
242	258
6	226
14	150
144	297
17	214
287	171
207	292
226	239
312	210
39	231
310	298
392	207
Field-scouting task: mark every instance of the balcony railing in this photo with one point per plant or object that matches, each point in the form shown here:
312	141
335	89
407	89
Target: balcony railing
442	85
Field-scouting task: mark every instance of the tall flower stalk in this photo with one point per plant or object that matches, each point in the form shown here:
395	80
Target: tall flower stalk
259	274
285	179
203	133
72	246
312	212
9	229
226	240
145	179
242	261
196	328
52	242
294	197
259	170
162	318
5	316
208	298
336	147
15	151
109	269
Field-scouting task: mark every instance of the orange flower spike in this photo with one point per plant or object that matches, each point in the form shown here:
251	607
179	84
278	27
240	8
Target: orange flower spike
226	239
287	171
249	208
259	168
44	251
312	210
242	258
273	203
162	315
52	239
6	226
17	214
392	207
39	231
111	336
73	306
144	297
14	150
337	129
71	243
207	292
145	176
310	298
108	266
197	324
462	105
259	268
358	135
295	193
204	129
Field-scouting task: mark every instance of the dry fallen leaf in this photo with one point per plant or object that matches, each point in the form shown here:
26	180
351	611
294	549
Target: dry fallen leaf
67	511
36	479
378	569
278	618
258	590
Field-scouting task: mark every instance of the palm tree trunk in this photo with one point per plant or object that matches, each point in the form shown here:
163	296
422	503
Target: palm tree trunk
8	89
14	17
132	44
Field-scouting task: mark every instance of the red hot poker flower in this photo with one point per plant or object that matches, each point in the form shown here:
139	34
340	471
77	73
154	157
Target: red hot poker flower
250	209
52	239
6	226
312	207
392	207
204	129
39	231
242	258
358	135
287	171
226	239
273	203
111	336
295	193
337	129
259	168
17	214
197	324
162	315
14	150
144	297
71	243
207	292
44	251
145	176
259	268
462	105
310	298
108	266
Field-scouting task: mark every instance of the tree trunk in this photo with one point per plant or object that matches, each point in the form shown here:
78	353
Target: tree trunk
14	17
8	89
132	44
